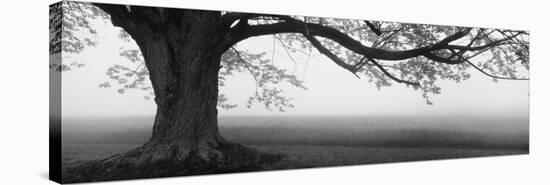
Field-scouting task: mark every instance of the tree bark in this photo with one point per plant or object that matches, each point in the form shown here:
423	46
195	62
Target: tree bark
182	53
183	64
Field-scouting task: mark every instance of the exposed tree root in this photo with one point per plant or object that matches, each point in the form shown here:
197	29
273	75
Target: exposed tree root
151	162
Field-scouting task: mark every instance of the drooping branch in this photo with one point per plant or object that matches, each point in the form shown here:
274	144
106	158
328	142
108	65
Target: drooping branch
353	69
265	75
331	55
491	75
286	48
483	48
248	68
373	61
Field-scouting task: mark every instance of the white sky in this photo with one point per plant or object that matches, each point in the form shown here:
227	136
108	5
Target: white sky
331	89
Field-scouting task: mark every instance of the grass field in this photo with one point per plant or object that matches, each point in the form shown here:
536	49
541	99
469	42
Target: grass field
321	141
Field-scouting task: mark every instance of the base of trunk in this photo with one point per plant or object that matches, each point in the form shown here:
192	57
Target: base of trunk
145	162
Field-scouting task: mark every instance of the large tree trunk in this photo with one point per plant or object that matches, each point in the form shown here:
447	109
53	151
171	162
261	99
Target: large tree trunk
183	63
183	56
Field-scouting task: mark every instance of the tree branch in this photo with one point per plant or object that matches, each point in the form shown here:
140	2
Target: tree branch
491	75
383	41
439	59
285	47
296	26
351	68
310	30
247	67
330	55
387	73
373	28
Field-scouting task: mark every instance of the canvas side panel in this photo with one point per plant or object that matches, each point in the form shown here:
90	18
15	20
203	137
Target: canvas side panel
55	29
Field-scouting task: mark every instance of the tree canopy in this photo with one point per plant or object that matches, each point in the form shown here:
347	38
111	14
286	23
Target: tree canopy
385	53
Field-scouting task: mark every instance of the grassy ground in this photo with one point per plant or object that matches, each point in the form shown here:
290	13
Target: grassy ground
306	156
321	141
303	156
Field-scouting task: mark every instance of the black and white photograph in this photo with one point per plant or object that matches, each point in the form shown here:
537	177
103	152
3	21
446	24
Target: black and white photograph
145	92
274	92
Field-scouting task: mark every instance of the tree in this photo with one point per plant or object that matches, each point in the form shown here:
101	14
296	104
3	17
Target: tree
187	53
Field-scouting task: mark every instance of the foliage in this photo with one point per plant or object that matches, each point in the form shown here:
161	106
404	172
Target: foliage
417	55
265	74
68	22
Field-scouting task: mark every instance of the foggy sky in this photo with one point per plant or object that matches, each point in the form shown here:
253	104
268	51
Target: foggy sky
331	89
